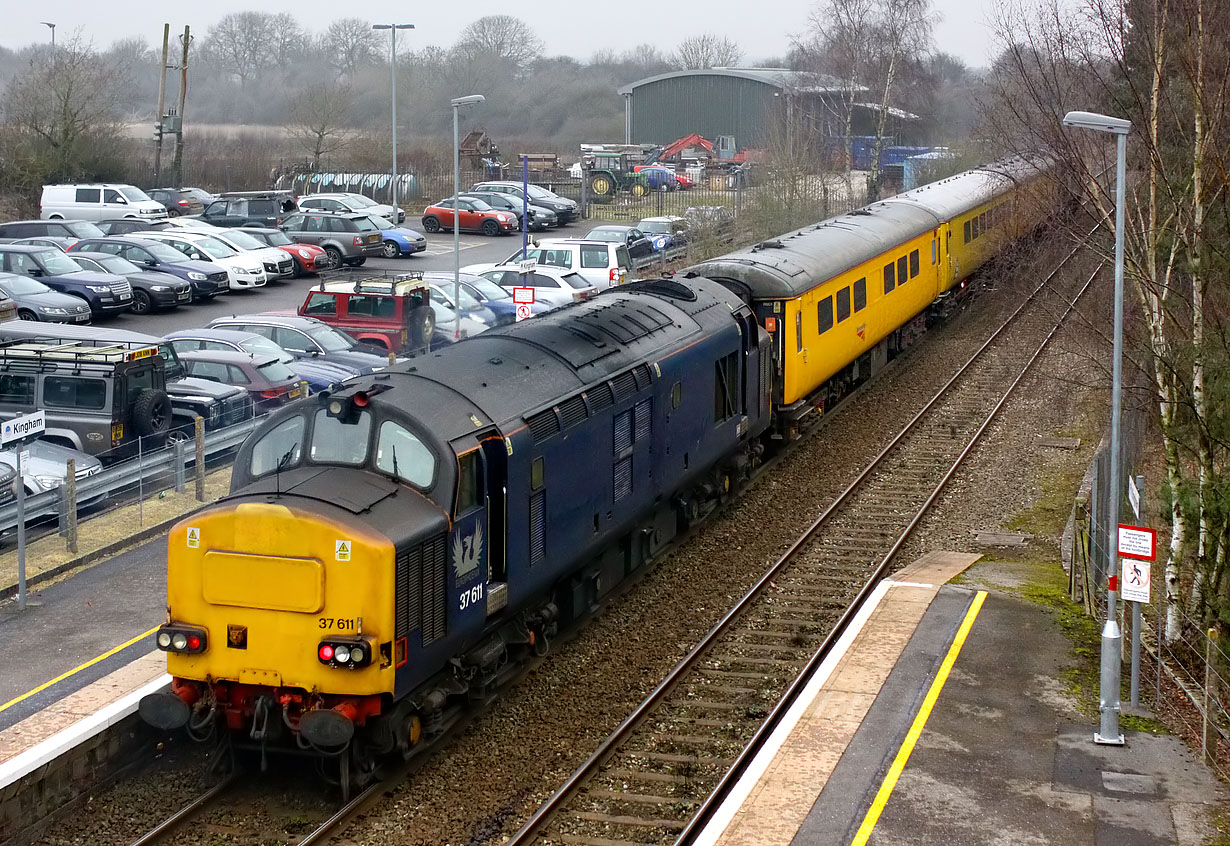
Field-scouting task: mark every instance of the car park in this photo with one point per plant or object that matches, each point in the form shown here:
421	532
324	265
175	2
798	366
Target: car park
639	246
305	337
105	293
242	270
389	315
665	232
249	208
345	201
177	201
151	289
348	238
472	216
553	286
268	381
541	217
277	264
602	263
206	278
44	466
317	374
74	229
97	201
308	258
566	210
398	240
33	300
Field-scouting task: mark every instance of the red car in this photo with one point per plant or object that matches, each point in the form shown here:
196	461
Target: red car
474	215
309	258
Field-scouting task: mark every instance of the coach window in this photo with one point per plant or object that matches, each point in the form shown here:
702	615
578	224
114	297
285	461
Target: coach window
889	279
798	329
903	271
967	231
860	294
935	251
279	448
976	229
843	304
913	264
824	315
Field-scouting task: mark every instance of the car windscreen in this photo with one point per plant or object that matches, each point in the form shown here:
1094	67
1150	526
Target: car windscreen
243	239
57	263
487	288
605	235
134	195
361	201
540	193
83	229
445	292
276	371
379	222
118	264
480	205
277	239
364	224
330	339
20	285
576	280
657	227
216	248
164	252
264	346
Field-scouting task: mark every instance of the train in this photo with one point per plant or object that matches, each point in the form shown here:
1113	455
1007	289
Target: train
396	549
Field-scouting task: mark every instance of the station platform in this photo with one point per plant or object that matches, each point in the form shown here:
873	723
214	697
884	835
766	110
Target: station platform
943	720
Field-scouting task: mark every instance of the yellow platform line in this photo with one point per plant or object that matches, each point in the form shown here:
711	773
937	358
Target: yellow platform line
920	721
76	670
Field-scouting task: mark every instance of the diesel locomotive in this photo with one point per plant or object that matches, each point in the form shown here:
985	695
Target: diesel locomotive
397	548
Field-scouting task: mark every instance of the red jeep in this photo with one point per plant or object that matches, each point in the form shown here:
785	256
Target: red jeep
392	314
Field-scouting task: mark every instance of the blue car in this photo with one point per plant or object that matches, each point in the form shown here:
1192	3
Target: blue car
104	293
497	299
319	375
207	279
398	240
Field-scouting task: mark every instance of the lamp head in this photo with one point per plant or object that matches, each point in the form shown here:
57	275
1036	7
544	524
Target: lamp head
467	100
1097	123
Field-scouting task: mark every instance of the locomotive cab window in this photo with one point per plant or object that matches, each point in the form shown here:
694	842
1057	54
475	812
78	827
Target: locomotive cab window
824	314
400	453
281	445
335	442
860	294
469	482
843	304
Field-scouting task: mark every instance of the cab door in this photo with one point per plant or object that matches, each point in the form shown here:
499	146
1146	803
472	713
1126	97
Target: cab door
477	546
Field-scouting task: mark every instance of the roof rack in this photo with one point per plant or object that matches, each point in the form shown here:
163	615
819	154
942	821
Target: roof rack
52	351
375	281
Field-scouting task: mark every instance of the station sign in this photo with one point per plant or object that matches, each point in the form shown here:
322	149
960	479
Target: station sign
1137	542
528	265
23	426
523	296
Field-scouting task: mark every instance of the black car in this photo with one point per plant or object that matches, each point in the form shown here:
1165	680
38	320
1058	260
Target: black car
639	245
151	289
105	293
250	208
207	279
74	229
541	217
177	201
128	225
566	210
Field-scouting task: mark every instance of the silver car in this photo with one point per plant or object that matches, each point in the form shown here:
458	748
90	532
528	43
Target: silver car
36	301
46	466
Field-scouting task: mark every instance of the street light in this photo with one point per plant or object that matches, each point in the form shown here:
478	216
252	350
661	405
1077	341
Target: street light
1108	732
458	102
52	27
392	28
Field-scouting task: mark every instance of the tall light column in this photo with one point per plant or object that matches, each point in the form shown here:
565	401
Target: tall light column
392	28
457	103
1108	732
52	27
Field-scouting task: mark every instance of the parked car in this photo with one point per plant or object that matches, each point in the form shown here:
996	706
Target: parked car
660	178
97	201
305	337
496	298
242	270
472	216
443	292
60	243
35	301
249	208
75	229
541	217
202	196
277	264
318	374
398	240
639	246
388	315
206	278
602	263
565	210
553	286
44	467
104	293
267	380
177	201
128	226
151	289
665	232
346	201
348	238
308	258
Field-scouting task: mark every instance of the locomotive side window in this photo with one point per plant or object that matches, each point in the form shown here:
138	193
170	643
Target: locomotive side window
913	264
860	294
468	474
537	473
676	394
400	453
843	304
281	444
335	442
824	315
726	387
903	271
889	278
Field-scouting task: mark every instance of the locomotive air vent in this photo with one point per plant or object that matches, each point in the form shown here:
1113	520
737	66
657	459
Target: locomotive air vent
543	425
669	288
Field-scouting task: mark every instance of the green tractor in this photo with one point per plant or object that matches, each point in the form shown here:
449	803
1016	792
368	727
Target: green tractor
608	173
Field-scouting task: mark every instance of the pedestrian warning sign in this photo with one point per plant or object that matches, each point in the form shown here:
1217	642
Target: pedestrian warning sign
341	550
194	538
1135	580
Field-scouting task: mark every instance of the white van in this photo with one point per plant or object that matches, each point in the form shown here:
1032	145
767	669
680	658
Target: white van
601	263
98	201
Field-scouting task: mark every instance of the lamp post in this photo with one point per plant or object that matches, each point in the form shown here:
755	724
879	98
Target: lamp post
52	27
392	28
1112	637
457	103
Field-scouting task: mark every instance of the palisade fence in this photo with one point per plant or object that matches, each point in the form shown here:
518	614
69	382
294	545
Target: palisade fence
1196	663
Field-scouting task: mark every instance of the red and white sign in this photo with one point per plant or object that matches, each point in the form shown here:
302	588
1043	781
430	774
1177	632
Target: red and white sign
523	311
1135	579
1137	542
523	296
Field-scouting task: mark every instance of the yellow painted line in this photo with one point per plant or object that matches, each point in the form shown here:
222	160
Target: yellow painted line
76	670
920	721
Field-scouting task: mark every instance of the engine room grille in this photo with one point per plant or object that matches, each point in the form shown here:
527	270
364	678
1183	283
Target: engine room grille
538	528
409	589
572	411
622	437
420	580
625	386
434	580
644	415
601	398
543	425
623	478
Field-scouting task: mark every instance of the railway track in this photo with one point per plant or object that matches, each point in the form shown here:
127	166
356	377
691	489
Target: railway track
650	781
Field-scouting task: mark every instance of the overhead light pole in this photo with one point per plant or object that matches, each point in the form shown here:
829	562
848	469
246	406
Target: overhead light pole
52	27
1112	637
457	103
392	28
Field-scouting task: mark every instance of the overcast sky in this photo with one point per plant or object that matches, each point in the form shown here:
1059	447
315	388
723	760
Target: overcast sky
577	29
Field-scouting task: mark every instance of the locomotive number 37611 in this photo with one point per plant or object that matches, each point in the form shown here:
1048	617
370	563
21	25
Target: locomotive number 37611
471	596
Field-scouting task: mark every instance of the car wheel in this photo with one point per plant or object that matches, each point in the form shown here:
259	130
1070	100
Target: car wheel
151	413
490	227
26	314
141	303
431	224
335	257
390	249
172	213
354	262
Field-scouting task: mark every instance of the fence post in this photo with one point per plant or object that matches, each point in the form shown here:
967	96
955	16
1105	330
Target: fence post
140	483
198	434
181	472
1208	733
70	506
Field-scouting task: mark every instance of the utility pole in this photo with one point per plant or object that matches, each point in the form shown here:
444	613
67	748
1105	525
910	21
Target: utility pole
162	104
183	93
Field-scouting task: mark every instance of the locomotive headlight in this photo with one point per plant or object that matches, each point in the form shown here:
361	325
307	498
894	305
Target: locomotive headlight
341	654
179	641
335	408
164	640
356	654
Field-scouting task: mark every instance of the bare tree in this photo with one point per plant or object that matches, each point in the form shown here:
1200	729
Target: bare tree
242	44
904	35
349	44
501	38
319	122
288	41
705	51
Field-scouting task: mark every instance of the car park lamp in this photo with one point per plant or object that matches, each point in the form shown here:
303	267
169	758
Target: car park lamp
1097	123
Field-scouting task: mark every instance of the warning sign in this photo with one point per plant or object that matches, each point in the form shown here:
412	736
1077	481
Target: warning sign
194	538
1135	580
1137	542
523	311
341	550
523	295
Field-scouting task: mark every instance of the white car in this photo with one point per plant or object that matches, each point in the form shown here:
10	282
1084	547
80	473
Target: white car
242	270
553	286
277	262
347	201
602	263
